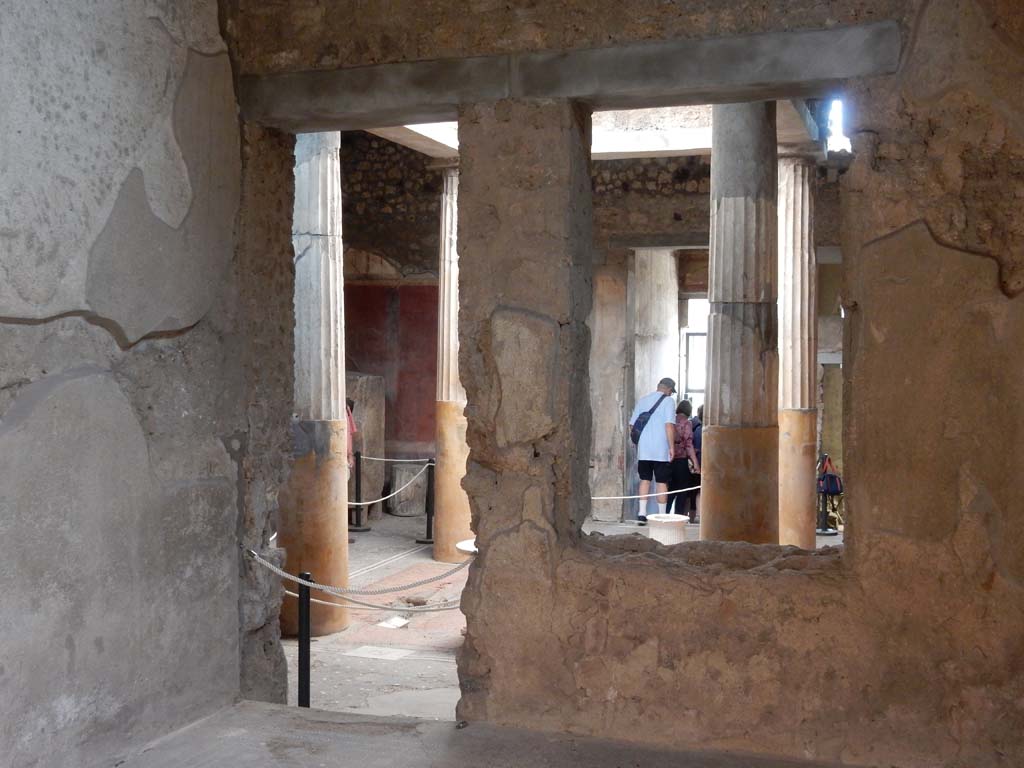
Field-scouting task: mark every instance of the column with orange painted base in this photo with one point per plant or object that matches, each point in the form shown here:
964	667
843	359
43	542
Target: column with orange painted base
452	515
798	352
313	505
740	482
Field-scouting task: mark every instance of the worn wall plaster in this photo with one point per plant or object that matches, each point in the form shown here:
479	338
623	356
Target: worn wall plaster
266	275
134	100
905	648
144	379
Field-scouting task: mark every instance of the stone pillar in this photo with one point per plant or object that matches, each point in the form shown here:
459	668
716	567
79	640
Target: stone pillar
451	510
314	503
525	243
654	316
610	355
798	353
740	483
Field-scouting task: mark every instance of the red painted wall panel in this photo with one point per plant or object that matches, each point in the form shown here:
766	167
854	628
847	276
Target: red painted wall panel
391	331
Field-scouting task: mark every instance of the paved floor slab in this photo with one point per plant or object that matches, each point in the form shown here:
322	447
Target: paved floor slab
269	736
373	669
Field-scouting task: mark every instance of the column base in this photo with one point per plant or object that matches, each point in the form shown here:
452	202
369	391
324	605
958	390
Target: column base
452	514
740	484
798	446
313	525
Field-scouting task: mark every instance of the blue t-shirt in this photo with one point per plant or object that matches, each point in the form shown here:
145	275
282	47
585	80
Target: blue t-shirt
653	445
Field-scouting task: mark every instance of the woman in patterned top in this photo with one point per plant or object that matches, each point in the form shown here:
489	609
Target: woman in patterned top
684	461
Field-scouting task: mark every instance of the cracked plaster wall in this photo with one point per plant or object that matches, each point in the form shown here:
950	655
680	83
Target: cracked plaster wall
903	649
138	429
906	648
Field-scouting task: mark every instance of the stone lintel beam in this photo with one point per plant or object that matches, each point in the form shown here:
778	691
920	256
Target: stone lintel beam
675	241
769	65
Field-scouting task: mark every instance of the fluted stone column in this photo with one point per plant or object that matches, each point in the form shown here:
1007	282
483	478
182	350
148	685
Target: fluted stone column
314	503
451	511
741	435
798	353
653	306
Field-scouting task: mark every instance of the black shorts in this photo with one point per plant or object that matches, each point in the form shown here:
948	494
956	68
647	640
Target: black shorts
660	471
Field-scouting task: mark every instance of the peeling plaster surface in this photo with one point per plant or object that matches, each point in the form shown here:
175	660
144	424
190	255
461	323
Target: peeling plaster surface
130	385
110	108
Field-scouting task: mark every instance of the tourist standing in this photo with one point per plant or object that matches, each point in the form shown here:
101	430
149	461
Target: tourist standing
697	423
653	430
685	465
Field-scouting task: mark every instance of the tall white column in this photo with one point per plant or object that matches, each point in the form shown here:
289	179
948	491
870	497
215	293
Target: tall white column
798	352
740	437
319	281
653	306
452	516
314	503
449	386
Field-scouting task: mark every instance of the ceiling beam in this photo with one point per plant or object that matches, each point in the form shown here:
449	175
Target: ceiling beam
770	65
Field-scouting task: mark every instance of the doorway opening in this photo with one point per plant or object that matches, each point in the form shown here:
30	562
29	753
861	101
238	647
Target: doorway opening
391	195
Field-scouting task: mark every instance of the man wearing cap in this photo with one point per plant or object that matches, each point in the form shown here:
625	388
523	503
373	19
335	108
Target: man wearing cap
654	449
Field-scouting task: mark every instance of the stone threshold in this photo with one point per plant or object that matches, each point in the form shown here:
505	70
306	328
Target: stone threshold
257	735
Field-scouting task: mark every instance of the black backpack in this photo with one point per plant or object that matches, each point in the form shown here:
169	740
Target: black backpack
641	421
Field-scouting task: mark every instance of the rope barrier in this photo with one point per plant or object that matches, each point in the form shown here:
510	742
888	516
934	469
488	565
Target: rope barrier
361	606
646	495
343	591
386	561
396	461
391	495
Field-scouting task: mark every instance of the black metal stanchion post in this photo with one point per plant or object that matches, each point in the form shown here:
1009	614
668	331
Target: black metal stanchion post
359	475
304	637
429	505
357	518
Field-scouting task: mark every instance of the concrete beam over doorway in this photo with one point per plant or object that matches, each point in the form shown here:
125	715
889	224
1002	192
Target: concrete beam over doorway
672	241
773	65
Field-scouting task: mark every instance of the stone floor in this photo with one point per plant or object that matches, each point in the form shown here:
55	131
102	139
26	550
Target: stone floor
268	736
375	670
